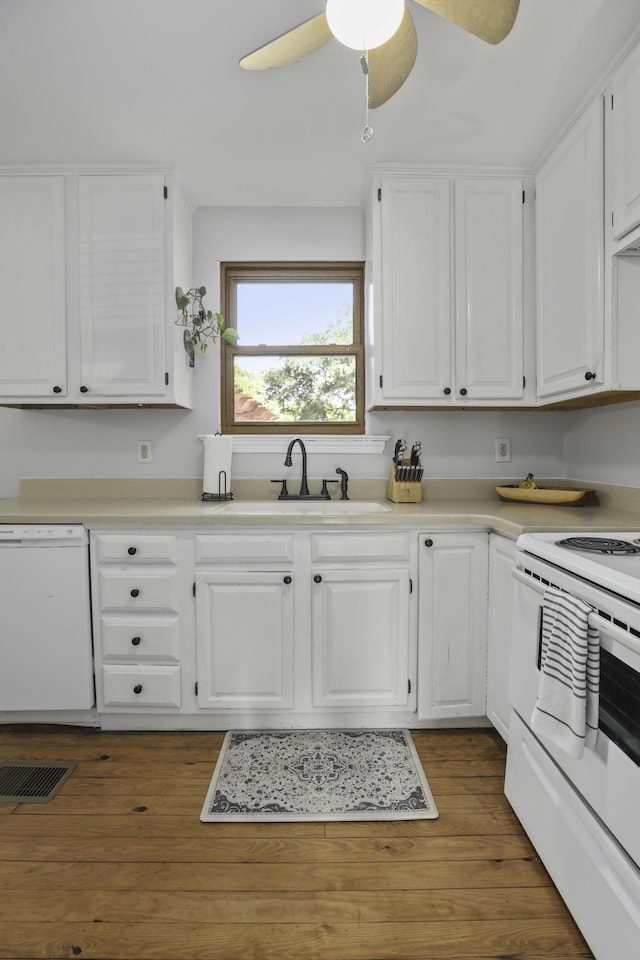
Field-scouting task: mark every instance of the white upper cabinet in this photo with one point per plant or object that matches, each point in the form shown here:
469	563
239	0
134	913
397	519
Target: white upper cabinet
489	289
118	244
569	262
447	260
121	265
623	159
413	316
32	287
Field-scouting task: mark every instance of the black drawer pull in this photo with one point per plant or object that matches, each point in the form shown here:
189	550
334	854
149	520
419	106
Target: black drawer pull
135	592
57	389
135	641
137	688
428	543
132	551
463	392
589	375
447	391
287	579
84	389
317	578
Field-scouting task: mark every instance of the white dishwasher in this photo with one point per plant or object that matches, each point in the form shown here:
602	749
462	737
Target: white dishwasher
46	654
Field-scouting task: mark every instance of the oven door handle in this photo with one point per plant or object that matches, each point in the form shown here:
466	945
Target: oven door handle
623	637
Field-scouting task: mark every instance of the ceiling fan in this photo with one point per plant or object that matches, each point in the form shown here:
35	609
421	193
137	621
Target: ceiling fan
390	60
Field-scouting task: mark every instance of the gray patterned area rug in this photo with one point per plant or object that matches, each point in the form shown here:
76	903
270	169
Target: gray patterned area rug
274	775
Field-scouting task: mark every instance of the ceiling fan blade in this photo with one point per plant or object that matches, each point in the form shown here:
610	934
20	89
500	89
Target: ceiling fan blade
491	20
391	63
290	46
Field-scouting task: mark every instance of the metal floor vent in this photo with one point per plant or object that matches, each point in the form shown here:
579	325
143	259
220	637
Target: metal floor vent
32	781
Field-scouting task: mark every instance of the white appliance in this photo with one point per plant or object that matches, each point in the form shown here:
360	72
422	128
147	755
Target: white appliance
582	814
46	656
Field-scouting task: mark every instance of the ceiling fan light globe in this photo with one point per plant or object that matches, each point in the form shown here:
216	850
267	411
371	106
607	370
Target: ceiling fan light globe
364	24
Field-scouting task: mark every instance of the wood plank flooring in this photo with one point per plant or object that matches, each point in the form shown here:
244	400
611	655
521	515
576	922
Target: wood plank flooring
118	866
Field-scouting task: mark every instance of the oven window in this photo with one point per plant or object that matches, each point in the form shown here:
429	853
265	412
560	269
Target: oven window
619	714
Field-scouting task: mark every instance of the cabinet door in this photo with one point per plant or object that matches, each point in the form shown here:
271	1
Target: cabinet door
244	637
32	287
413	332
623	156
501	561
452	625
360	638
121	282
489	289
569	253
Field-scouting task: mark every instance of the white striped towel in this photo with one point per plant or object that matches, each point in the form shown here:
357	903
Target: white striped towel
566	711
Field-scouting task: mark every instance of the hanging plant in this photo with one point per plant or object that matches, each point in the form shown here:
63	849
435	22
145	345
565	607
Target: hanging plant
200	325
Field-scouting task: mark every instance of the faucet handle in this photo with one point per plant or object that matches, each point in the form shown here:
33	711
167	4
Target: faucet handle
284	493
324	492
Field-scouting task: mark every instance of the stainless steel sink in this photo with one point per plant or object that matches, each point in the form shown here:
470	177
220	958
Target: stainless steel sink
305	508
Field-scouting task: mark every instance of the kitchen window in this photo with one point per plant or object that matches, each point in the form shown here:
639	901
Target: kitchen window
299	363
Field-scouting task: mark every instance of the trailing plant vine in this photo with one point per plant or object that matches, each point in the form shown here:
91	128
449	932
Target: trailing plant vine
200	325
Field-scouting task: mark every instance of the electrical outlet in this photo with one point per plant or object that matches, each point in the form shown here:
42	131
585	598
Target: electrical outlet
503	450
145	453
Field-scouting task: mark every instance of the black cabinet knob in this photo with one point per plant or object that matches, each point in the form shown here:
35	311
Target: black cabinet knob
428	543
447	391
589	375
135	641
135	592
317	578
57	389
137	688
287	579
132	551
84	389
463	392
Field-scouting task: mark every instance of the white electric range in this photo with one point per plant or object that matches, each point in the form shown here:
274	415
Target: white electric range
582	813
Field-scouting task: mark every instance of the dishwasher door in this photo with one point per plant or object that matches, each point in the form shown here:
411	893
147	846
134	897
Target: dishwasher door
46	654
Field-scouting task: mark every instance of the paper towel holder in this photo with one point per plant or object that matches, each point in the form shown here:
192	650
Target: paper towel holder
223	493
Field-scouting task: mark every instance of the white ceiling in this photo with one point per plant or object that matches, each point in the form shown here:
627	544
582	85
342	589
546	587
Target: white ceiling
158	81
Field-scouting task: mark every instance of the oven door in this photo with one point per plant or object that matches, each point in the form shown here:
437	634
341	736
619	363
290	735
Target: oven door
606	776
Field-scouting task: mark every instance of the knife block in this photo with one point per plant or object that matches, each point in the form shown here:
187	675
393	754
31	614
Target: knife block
403	492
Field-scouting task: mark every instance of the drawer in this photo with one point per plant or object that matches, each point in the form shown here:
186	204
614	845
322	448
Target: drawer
245	548
135	548
131	686
360	546
144	589
139	638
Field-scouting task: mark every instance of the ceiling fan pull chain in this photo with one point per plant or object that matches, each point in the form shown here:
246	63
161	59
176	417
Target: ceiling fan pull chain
367	133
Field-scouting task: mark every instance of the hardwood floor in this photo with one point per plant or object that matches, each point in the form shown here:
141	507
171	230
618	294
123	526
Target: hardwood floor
118	866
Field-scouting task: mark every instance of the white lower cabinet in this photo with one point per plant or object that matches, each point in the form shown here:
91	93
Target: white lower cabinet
304	621
501	561
244	631
360	630
138	598
315	625
452	625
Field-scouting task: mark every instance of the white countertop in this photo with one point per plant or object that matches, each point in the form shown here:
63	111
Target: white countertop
473	503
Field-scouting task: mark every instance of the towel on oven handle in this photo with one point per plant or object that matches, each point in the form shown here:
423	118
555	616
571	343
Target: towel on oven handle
566	710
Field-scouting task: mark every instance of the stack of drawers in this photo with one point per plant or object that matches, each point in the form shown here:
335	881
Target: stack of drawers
136	604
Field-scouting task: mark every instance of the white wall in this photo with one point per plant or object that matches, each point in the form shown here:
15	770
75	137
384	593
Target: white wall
603	445
94	443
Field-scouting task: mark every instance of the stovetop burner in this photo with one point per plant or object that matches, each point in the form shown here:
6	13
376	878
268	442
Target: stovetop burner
607	545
